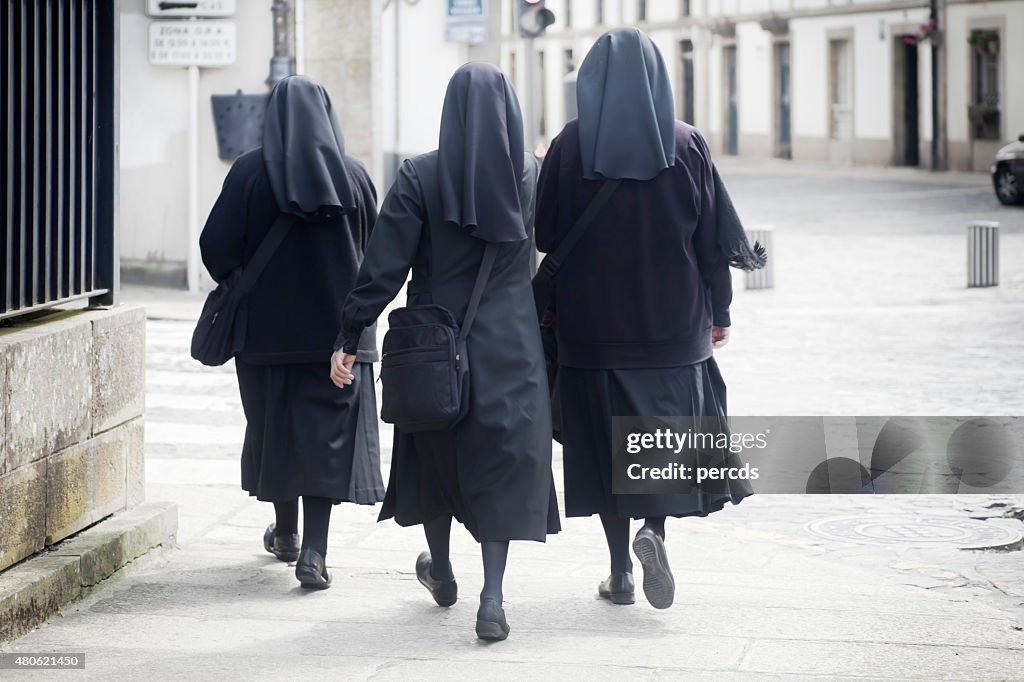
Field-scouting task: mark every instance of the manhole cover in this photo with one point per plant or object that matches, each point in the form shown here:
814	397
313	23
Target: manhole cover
929	531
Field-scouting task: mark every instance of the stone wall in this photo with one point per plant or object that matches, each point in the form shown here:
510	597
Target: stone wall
71	401
342	51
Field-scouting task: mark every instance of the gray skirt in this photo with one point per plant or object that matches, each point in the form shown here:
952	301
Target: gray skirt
304	436
589	398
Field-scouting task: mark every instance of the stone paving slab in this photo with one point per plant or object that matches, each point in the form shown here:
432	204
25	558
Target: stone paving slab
898	661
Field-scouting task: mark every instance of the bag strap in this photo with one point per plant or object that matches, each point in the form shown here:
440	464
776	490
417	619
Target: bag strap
490	251
553	261
264	251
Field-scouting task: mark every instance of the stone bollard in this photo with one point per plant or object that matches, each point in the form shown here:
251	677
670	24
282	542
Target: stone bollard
982	254
765	277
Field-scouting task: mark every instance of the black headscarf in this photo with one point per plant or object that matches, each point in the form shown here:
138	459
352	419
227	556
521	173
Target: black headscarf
304	152
624	100
480	154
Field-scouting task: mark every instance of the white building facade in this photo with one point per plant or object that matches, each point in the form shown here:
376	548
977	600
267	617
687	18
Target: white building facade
839	81
835	81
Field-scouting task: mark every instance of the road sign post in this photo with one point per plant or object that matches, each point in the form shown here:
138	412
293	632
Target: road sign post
192	43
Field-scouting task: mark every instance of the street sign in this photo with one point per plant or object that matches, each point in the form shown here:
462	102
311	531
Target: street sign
465	8
192	43
471	32
466	22
190	8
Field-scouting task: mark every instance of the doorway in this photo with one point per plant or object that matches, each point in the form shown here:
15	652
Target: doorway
906	98
783	134
840	97
686	111
731	114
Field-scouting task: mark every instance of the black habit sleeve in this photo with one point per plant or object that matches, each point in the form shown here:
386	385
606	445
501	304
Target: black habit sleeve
714	267
546	214
389	256
367	342
222	242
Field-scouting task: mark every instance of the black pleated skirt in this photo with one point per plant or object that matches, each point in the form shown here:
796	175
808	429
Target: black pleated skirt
304	436
427	481
589	398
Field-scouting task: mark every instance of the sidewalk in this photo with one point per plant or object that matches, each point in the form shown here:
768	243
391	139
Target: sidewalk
870	316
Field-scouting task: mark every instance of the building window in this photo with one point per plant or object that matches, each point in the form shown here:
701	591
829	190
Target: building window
598	12
568	13
513	72
684	8
840	89
641	10
570	61
983	111
686	81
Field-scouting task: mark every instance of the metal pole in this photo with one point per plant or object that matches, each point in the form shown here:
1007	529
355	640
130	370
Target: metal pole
300	36
398	89
192	265
281	64
934	16
530	134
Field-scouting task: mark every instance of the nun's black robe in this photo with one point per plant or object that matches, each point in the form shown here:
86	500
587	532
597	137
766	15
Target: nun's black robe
493	470
303	436
636	300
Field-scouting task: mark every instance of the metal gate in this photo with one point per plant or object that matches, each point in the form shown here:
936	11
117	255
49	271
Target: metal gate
58	90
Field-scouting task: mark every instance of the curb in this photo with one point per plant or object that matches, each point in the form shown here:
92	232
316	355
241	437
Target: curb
37	588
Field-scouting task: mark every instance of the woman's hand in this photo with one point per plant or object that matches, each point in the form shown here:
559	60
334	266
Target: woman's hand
341	369
719	336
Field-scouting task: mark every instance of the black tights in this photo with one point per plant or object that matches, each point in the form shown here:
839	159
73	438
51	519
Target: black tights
287	521
616	533
495	555
316	520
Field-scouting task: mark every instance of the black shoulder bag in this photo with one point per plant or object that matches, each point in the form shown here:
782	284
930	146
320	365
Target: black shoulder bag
544	280
219	335
425	365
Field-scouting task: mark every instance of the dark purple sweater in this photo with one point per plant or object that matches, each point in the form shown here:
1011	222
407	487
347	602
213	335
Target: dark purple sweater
646	281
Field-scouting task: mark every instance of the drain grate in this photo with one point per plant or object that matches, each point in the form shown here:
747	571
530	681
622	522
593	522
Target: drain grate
921	531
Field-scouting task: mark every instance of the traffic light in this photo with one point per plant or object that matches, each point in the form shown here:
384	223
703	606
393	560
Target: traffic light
534	18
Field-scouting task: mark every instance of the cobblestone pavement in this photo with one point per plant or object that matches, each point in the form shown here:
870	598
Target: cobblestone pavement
869	316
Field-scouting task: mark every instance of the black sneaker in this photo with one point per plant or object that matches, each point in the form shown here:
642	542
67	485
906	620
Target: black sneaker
659	585
284	547
490	621
444	592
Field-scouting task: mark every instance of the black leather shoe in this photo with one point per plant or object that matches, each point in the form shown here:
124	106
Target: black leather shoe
659	585
490	621
284	547
618	588
311	570
444	592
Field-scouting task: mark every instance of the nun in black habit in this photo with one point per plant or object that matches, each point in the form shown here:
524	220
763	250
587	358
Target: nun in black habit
492	472
643	297
303	437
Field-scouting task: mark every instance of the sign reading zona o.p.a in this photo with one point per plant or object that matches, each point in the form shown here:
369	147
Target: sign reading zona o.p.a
192	43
